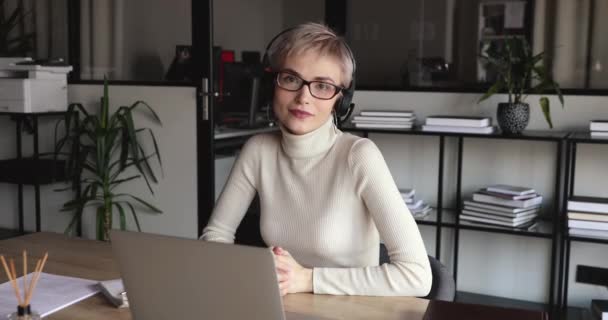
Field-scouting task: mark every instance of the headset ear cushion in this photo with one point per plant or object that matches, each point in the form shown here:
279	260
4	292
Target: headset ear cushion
343	104
267	88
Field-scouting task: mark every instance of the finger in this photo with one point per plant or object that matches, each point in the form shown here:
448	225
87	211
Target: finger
284	286
284	271
283	268
279	251
282	276
285	259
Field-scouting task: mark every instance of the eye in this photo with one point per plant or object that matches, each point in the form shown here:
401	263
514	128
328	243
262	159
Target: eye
289	78
322	86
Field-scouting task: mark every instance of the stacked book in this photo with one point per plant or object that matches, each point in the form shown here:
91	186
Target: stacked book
418	208
598	128
588	217
384	119
480	125
503	205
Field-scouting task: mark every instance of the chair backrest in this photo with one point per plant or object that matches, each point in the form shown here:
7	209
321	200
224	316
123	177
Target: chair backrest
443	287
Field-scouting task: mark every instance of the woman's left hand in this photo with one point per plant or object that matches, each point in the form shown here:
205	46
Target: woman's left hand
292	276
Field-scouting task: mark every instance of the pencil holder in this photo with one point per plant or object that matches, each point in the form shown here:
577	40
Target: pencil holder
24	313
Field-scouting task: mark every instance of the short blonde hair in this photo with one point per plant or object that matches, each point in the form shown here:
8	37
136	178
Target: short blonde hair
313	36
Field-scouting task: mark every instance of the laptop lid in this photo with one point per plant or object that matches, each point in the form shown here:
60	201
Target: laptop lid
174	278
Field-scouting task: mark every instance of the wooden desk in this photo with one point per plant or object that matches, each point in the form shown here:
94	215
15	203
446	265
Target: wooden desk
93	260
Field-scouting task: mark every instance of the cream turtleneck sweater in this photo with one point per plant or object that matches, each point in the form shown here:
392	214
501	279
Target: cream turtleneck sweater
327	197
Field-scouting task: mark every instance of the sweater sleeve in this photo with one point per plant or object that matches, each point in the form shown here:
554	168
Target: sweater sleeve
409	272
238	192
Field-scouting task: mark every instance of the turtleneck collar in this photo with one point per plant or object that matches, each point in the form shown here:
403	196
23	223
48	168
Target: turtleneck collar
310	144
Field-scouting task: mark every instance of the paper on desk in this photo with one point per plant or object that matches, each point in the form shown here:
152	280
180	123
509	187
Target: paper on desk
52	293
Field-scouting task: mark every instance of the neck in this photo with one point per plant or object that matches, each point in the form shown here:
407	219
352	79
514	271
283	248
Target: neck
310	144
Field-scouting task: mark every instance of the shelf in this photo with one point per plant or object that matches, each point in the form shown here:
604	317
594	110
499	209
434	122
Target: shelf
30	171
475	298
586	239
526	135
228	140
544	229
9	233
585	137
27	114
447	217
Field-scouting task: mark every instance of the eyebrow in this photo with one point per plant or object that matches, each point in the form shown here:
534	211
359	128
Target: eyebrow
314	79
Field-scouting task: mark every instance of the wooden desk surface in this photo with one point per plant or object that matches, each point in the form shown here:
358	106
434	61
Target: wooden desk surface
93	260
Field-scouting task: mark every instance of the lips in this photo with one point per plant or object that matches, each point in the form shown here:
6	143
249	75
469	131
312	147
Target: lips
300	114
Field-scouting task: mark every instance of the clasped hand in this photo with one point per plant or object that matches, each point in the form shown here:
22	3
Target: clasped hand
292	276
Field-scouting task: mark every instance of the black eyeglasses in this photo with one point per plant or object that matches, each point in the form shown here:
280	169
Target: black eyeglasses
318	89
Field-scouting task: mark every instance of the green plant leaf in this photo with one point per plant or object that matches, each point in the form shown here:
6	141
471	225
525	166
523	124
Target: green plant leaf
559	92
147	165
146	204
134	215
160	162
139	102
105	103
100	223
123	218
496	87
544	104
120	181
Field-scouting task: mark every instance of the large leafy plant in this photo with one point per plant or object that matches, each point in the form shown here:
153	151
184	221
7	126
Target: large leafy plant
517	68
12	44
100	150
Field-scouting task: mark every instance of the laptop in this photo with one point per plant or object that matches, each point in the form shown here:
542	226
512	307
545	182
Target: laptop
175	278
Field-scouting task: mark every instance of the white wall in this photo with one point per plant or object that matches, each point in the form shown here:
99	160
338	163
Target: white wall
176	192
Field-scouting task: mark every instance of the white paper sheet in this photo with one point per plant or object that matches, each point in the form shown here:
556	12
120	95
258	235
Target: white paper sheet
52	293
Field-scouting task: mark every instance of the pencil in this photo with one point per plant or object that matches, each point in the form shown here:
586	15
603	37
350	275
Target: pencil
46	255
24	274
31	288
10	277
14	273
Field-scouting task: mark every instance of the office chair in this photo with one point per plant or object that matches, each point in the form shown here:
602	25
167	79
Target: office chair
443	287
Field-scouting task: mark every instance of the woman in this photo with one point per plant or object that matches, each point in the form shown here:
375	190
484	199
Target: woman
326	197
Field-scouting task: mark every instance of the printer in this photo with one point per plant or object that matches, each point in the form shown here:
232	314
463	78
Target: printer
28	86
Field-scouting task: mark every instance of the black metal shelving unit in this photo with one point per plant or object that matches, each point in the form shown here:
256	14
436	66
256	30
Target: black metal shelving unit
448	217
573	140
435	218
31	170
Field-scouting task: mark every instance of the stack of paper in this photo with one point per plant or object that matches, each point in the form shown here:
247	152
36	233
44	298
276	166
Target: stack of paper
469	124
598	128
52	293
417	207
588	217
384	119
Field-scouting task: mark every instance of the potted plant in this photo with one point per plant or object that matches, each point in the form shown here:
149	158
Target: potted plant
516	69
100	150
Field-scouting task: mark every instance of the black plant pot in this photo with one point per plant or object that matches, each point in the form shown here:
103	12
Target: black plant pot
513	117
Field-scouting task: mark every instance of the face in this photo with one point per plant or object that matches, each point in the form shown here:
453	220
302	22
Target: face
298	111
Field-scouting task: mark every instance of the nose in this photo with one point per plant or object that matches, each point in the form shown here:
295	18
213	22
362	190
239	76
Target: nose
303	95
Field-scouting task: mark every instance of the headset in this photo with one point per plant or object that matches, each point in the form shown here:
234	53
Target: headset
343	107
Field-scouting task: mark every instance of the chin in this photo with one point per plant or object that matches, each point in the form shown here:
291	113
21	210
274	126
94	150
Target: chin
300	127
